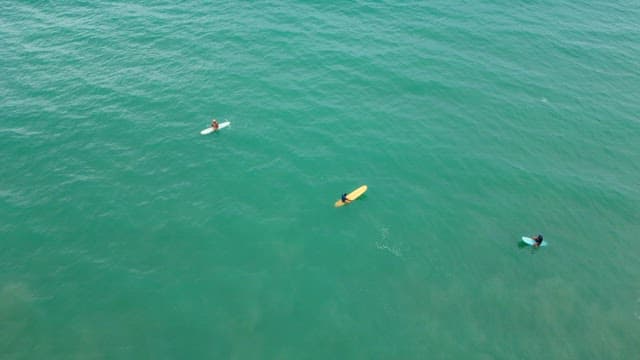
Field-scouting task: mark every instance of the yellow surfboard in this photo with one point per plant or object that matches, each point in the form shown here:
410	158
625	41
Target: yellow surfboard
352	195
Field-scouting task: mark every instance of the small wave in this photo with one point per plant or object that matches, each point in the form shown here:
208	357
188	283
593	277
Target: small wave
384	234
395	251
19	131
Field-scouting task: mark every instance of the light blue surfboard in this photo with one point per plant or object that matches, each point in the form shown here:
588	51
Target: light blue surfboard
529	241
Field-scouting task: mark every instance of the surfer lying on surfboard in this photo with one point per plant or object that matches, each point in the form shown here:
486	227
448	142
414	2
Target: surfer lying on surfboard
345	199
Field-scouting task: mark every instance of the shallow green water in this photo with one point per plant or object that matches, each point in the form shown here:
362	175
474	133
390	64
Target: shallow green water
124	233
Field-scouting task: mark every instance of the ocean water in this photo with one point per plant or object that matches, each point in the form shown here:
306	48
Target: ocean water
125	234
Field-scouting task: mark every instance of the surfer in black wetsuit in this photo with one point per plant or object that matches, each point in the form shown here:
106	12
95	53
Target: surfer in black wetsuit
345	199
538	239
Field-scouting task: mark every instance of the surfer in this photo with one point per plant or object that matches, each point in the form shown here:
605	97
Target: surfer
214	124
538	239
345	199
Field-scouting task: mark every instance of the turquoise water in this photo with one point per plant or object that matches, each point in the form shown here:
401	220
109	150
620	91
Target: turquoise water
124	233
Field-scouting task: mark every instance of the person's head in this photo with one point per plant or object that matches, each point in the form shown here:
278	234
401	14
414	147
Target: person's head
540	237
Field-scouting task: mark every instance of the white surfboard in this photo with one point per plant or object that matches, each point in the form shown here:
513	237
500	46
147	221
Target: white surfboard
529	241
209	130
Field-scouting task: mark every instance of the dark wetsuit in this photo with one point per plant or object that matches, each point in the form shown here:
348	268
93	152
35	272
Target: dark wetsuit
344	198
539	239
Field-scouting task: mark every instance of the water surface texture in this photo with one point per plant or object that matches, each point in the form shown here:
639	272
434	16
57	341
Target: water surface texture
125	234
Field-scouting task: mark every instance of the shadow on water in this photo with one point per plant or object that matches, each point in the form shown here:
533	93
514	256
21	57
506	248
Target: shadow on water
523	246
